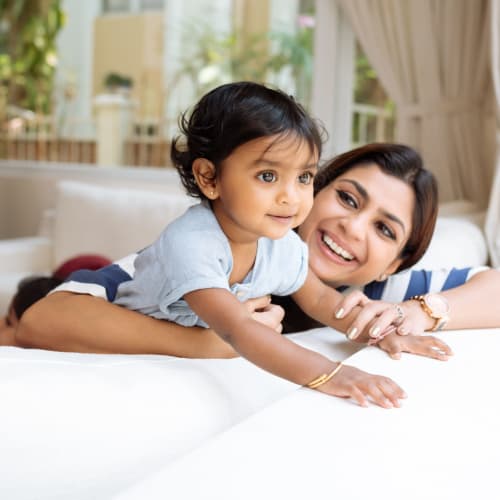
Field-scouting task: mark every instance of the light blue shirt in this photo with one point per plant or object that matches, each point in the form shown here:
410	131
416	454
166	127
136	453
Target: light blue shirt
193	253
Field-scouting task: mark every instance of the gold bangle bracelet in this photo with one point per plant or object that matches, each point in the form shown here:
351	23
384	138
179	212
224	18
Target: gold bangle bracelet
324	378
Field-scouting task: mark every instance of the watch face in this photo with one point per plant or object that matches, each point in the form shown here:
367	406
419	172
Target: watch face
437	304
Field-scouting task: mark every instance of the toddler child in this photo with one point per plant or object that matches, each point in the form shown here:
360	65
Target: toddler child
250	154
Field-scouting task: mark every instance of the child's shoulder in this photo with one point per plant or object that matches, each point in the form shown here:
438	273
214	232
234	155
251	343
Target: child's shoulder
196	217
196	228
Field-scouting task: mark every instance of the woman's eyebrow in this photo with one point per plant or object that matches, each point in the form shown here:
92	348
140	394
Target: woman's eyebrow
364	194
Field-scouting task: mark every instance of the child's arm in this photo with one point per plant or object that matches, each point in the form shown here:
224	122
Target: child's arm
274	353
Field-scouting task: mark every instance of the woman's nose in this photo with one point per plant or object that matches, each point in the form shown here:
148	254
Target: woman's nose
355	225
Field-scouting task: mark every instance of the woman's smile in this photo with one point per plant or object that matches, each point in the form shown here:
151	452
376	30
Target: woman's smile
335	248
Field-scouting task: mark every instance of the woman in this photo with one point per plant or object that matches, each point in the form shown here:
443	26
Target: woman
33	288
373	216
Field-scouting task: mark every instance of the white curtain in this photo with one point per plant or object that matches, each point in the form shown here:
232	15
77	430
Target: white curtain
492	226
432	56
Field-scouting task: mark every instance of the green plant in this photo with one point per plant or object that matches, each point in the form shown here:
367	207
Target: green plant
223	57
113	80
28	31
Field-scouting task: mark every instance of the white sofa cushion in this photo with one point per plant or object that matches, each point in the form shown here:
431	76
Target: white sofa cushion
457	242
110	221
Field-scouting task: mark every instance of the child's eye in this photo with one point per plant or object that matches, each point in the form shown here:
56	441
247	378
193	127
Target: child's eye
267	177
347	198
306	178
386	230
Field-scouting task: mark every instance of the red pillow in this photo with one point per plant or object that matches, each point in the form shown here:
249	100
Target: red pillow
86	261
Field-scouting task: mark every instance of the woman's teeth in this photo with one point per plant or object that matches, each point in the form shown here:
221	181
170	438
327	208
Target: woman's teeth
336	248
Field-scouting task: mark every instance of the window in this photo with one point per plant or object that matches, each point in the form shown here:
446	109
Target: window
111	6
152	4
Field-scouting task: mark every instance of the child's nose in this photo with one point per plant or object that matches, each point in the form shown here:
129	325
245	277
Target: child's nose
288	195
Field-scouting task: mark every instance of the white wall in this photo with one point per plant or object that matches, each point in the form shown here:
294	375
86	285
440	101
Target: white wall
333	80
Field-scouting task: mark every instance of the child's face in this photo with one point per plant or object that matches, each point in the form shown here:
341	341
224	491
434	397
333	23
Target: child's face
265	188
358	226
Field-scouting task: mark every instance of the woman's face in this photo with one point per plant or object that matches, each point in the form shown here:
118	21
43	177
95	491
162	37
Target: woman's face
7	328
358	226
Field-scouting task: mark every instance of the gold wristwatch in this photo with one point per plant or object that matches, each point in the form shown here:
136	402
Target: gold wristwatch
436	307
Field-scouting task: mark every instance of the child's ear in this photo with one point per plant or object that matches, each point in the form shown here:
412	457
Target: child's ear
206	177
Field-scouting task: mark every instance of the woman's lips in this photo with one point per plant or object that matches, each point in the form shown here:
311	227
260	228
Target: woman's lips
333	249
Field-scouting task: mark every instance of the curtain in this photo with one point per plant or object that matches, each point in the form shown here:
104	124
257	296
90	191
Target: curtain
492	226
432	57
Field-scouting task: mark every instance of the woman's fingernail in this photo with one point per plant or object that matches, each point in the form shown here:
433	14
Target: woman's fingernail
351	333
339	313
374	331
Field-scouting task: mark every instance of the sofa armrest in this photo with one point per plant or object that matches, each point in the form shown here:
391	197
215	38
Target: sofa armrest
26	255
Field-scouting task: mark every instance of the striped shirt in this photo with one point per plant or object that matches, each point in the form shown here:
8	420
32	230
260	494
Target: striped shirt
397	288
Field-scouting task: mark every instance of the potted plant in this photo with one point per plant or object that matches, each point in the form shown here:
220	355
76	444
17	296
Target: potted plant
117	83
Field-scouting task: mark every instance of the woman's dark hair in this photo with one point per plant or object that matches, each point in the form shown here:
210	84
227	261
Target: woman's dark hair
404	163
32	289
231	115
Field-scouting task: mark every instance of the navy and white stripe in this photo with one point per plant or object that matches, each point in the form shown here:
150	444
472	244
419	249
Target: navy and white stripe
397	288
402	286
102	283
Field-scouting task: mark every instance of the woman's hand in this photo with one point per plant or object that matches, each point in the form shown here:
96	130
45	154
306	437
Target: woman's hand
432	347
363	387
373	320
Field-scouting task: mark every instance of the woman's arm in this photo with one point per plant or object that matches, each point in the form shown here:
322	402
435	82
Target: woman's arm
65	321
472	305
475	303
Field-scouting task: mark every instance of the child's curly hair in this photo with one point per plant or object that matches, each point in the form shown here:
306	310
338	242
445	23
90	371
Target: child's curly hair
231	115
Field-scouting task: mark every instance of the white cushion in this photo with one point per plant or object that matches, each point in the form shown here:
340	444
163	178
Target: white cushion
110	221
457	243
30	255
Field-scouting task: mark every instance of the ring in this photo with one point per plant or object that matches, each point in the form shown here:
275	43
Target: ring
401	315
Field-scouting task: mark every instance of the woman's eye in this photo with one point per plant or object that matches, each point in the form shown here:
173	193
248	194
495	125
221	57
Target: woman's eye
386	231
267	177
306	178
347	198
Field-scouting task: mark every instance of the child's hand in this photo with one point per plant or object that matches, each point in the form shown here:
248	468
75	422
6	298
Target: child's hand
363	387
263	311
432	347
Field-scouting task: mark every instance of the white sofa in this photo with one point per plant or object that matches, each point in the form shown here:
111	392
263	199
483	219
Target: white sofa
80	426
